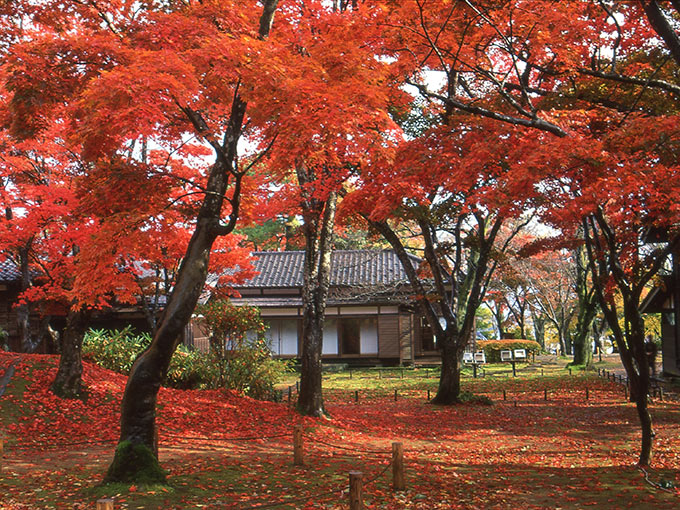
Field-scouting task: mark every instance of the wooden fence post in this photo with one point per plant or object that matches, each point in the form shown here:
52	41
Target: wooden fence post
398	467
356	395
505	396
104	504
2	452
356	490
545	394
395	395
587	393
298	458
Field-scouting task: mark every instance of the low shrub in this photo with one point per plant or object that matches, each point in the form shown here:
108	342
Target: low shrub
492	348
117	350
250	370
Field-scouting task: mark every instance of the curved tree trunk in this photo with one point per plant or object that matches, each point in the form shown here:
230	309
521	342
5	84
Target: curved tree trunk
68	381
136	459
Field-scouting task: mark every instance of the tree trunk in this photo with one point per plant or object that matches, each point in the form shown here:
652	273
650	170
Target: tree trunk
539	331
449	380
310	399
317	269
68	381
133	461
136	459
28	344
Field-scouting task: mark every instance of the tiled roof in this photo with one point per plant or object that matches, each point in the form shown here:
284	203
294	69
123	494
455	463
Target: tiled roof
348	268
9	271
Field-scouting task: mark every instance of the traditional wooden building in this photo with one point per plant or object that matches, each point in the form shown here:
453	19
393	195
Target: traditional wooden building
665	299
371	317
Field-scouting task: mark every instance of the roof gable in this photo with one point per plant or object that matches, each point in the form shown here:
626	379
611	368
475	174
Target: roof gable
348	268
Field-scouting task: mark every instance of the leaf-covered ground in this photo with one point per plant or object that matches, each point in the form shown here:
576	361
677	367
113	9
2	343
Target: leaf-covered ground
225	451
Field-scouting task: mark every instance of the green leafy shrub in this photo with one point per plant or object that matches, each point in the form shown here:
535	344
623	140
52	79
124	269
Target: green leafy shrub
117	350
250	370
492	348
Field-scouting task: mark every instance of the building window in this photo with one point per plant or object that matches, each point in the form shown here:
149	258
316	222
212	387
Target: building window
358	336
428	340
349	332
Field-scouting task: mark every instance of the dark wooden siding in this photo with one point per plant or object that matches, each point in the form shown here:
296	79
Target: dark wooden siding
670	358
406	336
388	336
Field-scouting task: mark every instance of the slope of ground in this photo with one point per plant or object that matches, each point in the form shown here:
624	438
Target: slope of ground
225	451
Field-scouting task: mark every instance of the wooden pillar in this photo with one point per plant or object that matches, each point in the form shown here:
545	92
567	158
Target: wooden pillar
104	504
398	467
298	458
356	482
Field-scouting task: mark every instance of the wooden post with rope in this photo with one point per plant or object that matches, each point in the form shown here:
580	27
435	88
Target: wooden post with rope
298	458
398	467
356	490
104	504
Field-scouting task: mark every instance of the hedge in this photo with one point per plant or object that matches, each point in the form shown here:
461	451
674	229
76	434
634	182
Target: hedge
492	348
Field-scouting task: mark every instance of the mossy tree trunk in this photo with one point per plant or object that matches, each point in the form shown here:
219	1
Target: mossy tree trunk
135	459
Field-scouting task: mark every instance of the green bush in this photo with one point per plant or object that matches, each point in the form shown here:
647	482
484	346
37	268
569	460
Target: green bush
250	370
492	348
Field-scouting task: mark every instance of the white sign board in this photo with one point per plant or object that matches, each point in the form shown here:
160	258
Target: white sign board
520	354
480	357
468	357
506	355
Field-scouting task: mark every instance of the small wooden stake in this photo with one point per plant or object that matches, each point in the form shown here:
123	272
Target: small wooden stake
541	372
356	395
587	393
515	402
545	394
290	393
104	504
660	398
625	389
570	371
395	395
428	394
398	467
356	490
2	451
297	446
297	386
505	396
